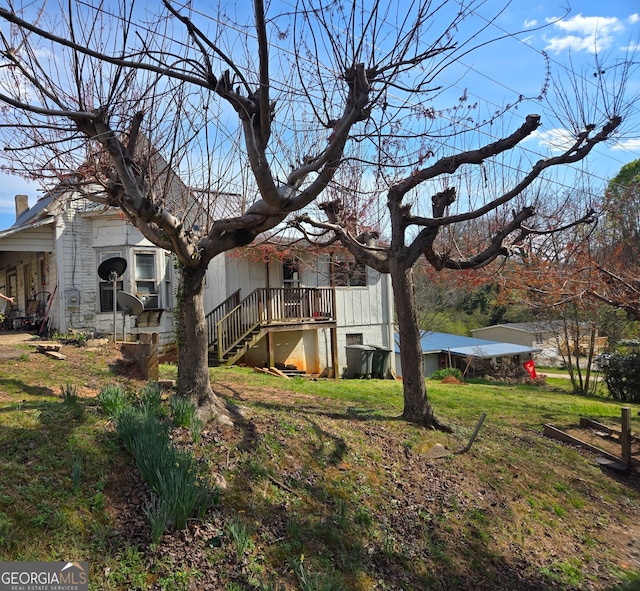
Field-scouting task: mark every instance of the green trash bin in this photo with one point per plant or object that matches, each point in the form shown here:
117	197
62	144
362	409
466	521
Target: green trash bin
380	362
359	361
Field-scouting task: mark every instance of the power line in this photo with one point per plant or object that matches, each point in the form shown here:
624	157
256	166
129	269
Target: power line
285	87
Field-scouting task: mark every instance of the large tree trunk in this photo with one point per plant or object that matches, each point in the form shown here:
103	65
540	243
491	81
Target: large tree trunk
191	334
417	408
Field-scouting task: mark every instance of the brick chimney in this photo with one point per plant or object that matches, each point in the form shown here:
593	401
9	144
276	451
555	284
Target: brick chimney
22	204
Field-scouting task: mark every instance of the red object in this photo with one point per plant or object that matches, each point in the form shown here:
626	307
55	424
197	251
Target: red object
531	368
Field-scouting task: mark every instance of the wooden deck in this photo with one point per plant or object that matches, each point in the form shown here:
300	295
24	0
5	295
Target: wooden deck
235	325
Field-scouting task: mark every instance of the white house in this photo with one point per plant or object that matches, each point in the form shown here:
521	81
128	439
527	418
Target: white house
51	255
300	309
308	306
548	336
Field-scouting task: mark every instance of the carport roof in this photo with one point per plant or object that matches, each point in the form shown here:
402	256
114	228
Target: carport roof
440	342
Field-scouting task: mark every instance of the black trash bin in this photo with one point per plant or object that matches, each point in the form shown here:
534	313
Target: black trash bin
359	361
380	363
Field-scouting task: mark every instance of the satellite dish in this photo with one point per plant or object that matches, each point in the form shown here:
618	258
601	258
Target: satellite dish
130	302
115	265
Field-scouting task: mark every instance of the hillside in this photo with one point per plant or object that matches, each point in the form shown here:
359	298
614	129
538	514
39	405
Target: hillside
319	487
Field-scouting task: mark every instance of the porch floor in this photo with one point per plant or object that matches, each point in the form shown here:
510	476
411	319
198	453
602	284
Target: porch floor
14	337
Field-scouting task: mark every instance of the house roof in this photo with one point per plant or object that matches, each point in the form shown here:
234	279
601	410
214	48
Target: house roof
530	327
440	342
37	216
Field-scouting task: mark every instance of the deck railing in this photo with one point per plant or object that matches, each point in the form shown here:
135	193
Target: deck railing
264	307
219	312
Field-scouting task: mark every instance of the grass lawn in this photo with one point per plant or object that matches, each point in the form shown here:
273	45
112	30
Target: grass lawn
319	487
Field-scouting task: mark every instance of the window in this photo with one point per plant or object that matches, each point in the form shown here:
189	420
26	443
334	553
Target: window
106	287
349	273
145	277
290	273
354	339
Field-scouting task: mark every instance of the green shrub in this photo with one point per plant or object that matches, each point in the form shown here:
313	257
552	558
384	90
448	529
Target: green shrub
112	399
445	372
622	376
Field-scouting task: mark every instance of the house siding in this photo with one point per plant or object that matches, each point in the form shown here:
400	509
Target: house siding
365	311
79	238
504	334
63	254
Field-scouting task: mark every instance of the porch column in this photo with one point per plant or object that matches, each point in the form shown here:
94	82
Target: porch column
334	351
270	351
271	358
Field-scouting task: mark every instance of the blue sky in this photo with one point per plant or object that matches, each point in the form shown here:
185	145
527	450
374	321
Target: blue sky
501	72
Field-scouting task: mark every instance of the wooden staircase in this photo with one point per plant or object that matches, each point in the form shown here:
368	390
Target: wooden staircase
236	325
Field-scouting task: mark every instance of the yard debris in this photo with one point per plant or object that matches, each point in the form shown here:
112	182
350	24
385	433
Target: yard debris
276	371
43	347
51	350
474	434
438	451
273	371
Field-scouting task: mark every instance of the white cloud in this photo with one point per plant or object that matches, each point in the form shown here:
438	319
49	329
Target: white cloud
634	18
529	39
583	33
530	23
631	48
556	140
628	145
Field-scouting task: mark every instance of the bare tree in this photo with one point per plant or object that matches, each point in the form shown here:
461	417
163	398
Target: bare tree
464	186
129	102
305	90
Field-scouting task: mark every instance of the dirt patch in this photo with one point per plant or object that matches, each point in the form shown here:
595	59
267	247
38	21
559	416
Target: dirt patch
602	440
10	352
627	539
451	380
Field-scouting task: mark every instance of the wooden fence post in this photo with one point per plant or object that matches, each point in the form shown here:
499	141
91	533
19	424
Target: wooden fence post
625	436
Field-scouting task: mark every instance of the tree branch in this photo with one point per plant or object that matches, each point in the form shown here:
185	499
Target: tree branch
450	164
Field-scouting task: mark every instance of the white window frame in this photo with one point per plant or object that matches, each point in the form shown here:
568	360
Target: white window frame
147	289
103	255
347	272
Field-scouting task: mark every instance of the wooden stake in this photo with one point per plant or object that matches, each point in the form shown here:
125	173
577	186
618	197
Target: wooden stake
625	437
475	434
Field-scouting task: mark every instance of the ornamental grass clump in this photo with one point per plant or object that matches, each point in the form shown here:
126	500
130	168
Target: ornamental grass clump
182	488
156	511
69	394
151	399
